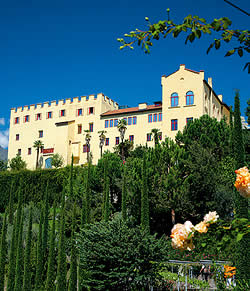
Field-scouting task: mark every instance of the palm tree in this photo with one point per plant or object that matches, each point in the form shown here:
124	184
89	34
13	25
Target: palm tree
156	133
87	139
122	128
102	138
38	144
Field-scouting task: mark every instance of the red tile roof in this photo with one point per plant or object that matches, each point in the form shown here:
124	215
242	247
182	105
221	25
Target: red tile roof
131	109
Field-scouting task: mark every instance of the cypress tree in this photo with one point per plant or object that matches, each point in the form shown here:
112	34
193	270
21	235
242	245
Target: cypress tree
19	258
124	195
12	261
104	187
107	201
3	251
18	216
39	255
241	204
51	276
85	218
71	178
11	205
45	226
73	256
144	199
231	140
61	264
27	257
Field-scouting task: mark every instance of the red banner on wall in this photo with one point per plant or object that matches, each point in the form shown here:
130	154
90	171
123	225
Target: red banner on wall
48	151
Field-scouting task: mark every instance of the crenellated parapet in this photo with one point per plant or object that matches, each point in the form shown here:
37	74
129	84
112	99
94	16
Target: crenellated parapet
80	100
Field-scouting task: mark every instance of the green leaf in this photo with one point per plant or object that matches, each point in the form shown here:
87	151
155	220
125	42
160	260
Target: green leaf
217	43
239	236
240	52
209	48
203	245
229	53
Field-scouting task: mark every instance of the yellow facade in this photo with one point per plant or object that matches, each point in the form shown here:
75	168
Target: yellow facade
61	125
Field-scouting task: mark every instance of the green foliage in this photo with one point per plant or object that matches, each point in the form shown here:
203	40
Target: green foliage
12	261
38	144
118	256
45	227
107	201
124	195
11	204
3	165
248	111
3	252
57	161
27	257
17	164
144	199
194	27
51	274
19	258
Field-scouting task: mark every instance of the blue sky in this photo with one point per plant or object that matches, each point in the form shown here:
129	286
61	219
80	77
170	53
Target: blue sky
60	49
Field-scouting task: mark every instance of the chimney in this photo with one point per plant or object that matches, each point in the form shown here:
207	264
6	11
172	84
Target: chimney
220	97
209	80
142	106
182	67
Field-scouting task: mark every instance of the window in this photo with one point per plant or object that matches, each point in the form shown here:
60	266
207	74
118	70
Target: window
155	117
160	135
111	123
117	140
26	118
91	127
189	98
62	112
115	122
38	116
131	138
160	117
150	118
134	120
148	136
91	110
16	121
174	124
29	151
125	118
107	141
174	100
189	119
86	148
19	152
129	120
106	123
79	112
79	129
40	133
49	115
17	136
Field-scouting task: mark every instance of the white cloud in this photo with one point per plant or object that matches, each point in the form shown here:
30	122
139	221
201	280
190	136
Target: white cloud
2	121
4	138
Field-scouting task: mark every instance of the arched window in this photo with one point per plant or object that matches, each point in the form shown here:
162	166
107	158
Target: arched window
48	163
189	98
174	100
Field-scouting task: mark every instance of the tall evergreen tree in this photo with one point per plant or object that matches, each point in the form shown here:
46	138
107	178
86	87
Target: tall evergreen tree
144	199
105	174
3	251
12	261
107	201
18	215
231	124
241	204
27	257
124	195
73	256
11	205
71	178
248	111
85	218
45	228
61	261
51	275
39	255
19	258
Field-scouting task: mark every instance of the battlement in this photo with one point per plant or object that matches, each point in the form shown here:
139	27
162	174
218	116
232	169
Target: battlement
80	100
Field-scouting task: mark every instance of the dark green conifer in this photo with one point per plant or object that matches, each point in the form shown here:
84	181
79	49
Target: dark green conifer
39	256
18	215
85	218
124	195
27	257
61	261
3	251
11	205
107	201
12	261
51	275
105	174
241	203
71	178
73	256
45	225
144	199
19	258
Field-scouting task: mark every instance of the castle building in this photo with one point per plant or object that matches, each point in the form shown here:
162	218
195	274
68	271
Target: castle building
61	126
